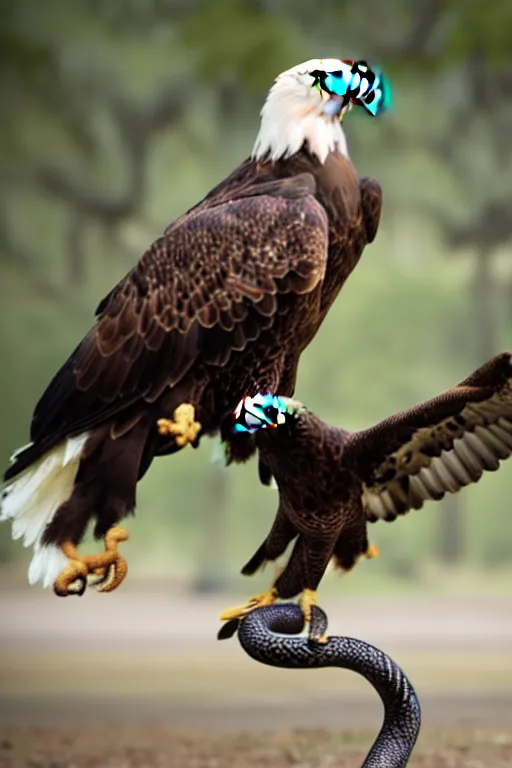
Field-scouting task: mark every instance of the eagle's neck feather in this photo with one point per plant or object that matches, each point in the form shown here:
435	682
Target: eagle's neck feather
287	122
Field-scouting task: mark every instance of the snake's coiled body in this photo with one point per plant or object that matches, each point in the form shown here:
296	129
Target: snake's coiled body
402	716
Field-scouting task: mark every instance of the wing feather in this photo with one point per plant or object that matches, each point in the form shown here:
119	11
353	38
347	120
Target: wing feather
438	447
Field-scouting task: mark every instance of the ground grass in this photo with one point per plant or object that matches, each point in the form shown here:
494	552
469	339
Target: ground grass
160	747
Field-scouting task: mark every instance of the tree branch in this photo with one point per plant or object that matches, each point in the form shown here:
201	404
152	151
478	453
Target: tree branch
136	125
426	19
28	262
487	231
425	36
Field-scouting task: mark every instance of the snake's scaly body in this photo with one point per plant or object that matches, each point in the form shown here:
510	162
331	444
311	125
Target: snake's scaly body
258	635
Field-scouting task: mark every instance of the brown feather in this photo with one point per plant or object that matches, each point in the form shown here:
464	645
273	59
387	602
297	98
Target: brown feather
221	305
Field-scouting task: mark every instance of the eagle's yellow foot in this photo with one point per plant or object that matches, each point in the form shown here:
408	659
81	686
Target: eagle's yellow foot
372	551
109	566
258	601
106	569
183	426
306	603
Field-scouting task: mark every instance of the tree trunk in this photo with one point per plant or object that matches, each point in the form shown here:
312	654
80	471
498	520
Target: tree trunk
449	545
482	307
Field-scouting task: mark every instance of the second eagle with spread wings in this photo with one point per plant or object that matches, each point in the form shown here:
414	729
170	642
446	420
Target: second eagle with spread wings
333	482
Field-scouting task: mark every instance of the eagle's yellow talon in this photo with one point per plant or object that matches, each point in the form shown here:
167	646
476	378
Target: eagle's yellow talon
105	570
258	601
306	602
372	551
114	575
98	576
72	580
183	425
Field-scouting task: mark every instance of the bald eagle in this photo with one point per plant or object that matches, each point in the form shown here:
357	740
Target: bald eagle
220	306
332	482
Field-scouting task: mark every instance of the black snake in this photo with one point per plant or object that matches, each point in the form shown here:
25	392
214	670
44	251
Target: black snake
265	635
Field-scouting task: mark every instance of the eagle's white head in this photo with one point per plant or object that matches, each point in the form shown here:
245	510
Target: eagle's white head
297	110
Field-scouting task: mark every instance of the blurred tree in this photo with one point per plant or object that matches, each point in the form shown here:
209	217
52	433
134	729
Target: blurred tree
115	116
211	575
470	56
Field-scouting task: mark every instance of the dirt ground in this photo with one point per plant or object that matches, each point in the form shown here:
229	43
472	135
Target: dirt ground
98	683
159	747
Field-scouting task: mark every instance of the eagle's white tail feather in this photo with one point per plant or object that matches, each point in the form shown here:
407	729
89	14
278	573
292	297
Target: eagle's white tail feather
73	448
17	495
47	563
38	510
32	498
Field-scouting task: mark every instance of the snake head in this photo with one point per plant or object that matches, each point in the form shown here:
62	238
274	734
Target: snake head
264	411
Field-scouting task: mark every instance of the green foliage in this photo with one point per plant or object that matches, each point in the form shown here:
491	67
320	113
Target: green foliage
247	40
473	28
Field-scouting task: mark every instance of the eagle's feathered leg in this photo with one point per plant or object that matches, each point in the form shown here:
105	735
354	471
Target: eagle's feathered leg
105	489
303	573
106	569
281	533
183	425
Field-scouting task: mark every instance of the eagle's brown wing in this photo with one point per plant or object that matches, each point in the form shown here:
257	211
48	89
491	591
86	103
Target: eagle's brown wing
208	287
371	206
437	447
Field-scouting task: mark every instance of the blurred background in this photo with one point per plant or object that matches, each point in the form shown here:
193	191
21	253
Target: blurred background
115	117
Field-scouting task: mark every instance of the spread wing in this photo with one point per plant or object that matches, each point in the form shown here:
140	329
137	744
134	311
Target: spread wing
210	286
437	447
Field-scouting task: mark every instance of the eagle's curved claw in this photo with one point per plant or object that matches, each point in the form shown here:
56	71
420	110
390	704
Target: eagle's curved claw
183	425
258	601
114	575
72	580
106	570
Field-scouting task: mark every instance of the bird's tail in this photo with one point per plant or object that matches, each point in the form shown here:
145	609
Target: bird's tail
31	498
